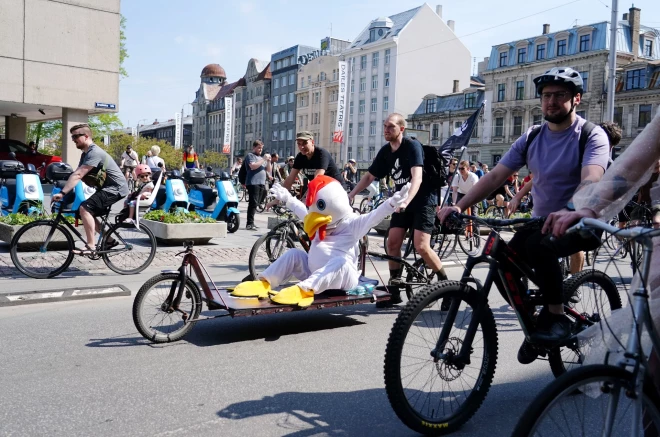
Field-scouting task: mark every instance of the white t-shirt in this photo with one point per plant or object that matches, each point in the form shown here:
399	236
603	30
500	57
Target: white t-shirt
465	185
130	160
153	161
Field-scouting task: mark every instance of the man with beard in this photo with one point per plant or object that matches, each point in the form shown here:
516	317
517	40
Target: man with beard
255	181
561	168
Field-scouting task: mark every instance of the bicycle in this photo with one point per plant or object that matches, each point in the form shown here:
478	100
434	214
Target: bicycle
455	351
606	395
367	205
130	180
44	248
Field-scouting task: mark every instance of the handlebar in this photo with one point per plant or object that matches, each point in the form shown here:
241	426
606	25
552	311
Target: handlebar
638	232
500	223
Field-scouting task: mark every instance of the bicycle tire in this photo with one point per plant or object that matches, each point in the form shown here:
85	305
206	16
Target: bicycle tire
429	299
32	244
366	206
557	357
407	250
192	293
470	245
272	250
571	388
138	238
446	245
494	212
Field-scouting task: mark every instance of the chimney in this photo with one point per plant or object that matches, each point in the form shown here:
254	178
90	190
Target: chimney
451	23
546	29
438	10
455	86
625	16
634	29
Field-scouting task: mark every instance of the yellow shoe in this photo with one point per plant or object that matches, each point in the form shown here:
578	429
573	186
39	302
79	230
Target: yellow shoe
258	289
294	295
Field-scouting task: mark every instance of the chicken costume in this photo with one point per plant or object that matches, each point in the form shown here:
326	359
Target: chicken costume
335	231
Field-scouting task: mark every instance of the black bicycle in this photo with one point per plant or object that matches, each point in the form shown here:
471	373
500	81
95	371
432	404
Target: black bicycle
45	248
439	365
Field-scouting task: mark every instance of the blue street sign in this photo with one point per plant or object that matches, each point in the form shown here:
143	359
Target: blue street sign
106	105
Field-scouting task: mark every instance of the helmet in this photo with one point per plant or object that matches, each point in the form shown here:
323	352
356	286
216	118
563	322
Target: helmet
224	176
209	168
142	169
560	76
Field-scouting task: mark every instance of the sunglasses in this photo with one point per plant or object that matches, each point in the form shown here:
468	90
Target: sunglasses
462	168
145	175
76	136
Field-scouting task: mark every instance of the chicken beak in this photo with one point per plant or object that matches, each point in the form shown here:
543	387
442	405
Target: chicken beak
314	221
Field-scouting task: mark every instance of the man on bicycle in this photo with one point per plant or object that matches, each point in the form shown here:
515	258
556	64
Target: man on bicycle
403	158
129	160
98	170
554	158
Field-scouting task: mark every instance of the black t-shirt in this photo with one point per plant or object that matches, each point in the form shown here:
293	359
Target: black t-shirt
321	159
398	166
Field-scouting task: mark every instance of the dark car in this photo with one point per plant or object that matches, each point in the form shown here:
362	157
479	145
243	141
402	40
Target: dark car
23	154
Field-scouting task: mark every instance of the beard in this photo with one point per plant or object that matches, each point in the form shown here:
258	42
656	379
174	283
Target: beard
80	146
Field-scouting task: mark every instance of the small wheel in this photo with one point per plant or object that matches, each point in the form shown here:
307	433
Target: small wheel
470	240
36	260
152	313
578	403
430	389
366	206
267	249
593	294
233	222
135	251
494	212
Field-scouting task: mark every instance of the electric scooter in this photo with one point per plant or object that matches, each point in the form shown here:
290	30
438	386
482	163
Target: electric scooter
172	195
20	189
220	203
58	173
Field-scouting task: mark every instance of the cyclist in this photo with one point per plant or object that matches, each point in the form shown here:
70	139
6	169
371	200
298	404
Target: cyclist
129	160
97	169
554	158
403	158
463	182
349	174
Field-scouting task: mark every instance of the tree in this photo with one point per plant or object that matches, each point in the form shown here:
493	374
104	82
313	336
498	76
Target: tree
123	53
119	141
214	159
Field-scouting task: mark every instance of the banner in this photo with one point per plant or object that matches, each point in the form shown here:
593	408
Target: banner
229	110
338	134
177	130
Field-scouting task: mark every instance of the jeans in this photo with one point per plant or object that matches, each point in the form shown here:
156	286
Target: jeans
256	194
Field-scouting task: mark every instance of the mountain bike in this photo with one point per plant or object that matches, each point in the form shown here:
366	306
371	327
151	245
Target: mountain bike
439	365
44	248
615	399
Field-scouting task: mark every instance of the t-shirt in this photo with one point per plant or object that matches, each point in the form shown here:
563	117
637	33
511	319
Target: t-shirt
258	176
131	159
153	161
320	160
398	166
189	159
479	173
465	185
105	173
350	176
554	159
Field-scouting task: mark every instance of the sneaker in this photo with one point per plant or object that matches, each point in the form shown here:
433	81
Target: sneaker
251	228
552	330
527	353
394	300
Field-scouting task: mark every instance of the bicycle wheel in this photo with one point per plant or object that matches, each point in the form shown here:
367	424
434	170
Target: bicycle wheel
151	313
435	396
417	277
135	251
577	404
365	206
470	240
594	295
267	249
495	212
408	246
36	260
445	245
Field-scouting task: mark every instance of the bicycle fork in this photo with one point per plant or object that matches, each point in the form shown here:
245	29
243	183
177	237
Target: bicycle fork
172	302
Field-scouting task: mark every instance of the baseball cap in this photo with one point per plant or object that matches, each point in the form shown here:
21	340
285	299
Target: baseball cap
290	158
351	160
304	135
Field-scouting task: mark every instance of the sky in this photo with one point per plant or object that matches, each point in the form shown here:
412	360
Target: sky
169	42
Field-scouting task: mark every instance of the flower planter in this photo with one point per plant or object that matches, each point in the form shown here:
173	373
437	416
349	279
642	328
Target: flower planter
199	233
7	232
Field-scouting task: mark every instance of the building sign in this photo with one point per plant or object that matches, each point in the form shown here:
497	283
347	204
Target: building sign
338	134
105	105
177	130
305	59
229	110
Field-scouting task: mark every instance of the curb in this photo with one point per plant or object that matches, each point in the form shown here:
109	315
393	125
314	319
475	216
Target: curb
78	293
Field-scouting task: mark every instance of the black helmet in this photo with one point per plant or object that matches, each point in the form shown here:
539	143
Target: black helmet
560	76
224	176
209	169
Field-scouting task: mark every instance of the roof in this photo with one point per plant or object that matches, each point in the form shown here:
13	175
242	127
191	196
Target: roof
229	88
213	70
452	102
399	21
265	73
160	125
211	90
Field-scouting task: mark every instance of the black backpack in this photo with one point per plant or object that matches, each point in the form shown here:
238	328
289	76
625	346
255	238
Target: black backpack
435	170
587	128
242	173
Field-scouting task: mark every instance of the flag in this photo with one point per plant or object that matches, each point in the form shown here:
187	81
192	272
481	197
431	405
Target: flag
461	136
338	134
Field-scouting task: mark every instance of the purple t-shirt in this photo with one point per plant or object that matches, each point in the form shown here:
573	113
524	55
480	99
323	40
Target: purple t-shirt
554	159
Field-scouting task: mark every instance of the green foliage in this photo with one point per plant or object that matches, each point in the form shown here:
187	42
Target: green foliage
119	141
176	217
23	219
123	53
214	159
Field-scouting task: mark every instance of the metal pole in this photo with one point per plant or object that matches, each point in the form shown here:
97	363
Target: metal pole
611	80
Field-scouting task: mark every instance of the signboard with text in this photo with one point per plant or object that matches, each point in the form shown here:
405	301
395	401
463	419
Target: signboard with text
177	130
229	110
338	134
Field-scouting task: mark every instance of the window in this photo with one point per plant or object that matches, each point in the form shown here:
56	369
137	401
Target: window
276	82
517	124
499	127
470	100
360	129
374	104
582	114
363	84
282	133
350	110
352	62
300	119
635	79
503	59
372	128
561	48
350	129
387	80
584	42
292	79
323	76
648	47
540	52
374	59
275	119
291	97
618	116
430	106
352	85
335	74
282	118
387	56
317	97
302	82
386	103
361	107
522	55
290	115
501	91
434	131
276	100
520	90
644	115
274	135
537	119
363	62
374	82
585	80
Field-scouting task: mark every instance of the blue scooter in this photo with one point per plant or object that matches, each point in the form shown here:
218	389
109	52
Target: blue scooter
220	203
21	190
58	173
172	195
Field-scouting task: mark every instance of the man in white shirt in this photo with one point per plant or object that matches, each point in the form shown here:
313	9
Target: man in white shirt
129	160
463	182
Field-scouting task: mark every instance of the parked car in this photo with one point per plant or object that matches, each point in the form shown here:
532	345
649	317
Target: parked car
23	154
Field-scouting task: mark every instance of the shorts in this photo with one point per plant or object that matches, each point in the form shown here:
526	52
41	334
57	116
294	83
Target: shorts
419	218
129	167
100	202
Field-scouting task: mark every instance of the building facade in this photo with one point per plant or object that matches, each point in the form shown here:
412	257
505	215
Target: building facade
167	130
393	62
252	107
513	104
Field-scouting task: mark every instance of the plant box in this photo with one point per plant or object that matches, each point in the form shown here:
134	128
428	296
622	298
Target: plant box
199	233
7	232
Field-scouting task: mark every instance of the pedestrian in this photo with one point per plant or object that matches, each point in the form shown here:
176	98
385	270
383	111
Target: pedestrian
190	158
279	170
484	168
255	181
32	148
155	162
146	156
236	167
476	170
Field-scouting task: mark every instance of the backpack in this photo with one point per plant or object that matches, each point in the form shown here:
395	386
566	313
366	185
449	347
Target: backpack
587	128
435	170
242	173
